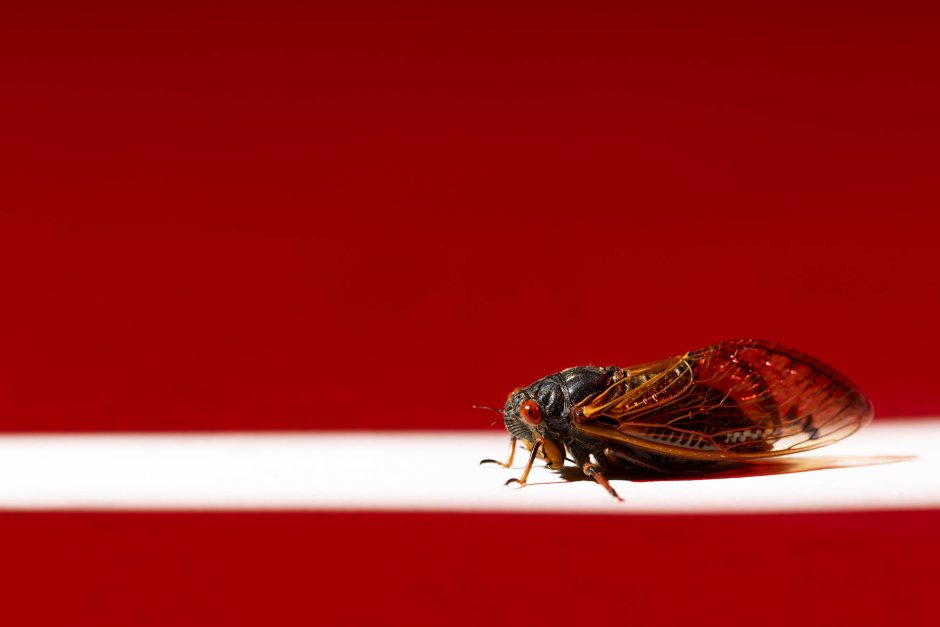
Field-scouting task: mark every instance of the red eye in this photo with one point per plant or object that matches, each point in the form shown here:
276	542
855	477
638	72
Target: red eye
530	412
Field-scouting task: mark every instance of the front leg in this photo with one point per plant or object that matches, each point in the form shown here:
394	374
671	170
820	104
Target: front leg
615	455
512	454
525	473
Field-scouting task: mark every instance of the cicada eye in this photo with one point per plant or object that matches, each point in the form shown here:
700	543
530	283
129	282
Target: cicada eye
530	412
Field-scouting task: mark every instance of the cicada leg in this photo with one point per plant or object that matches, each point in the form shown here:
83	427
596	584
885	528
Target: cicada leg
593	471
615	455
512	453
525	473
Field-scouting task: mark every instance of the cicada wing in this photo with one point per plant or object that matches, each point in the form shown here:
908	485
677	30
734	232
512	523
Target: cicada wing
740	399
640	388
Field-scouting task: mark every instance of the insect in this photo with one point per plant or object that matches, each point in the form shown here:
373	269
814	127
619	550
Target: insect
737	400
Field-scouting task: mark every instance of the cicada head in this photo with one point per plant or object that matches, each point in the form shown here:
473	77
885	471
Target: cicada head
536	414
541	412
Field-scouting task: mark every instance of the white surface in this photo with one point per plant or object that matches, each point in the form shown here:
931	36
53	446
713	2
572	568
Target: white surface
892	465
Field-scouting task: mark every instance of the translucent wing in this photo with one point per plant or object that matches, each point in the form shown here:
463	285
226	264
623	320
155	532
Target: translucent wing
740	399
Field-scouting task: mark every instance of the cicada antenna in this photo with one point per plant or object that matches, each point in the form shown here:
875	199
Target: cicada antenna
498	411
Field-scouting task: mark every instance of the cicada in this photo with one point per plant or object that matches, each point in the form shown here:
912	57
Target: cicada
735	401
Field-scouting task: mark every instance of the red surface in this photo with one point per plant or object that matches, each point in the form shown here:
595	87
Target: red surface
353	569
289	216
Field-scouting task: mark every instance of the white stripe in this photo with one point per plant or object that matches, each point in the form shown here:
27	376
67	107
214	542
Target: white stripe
431	471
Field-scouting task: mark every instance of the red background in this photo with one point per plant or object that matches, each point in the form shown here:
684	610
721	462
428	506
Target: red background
262	215
275	215
116	570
